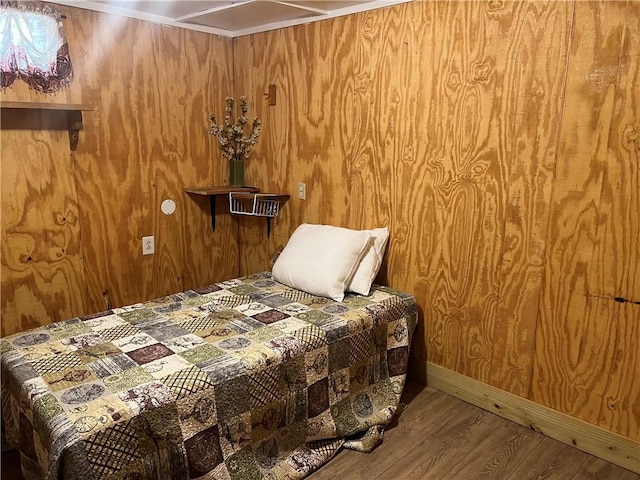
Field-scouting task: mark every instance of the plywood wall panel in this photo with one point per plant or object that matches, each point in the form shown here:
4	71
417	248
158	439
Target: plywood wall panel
616	256
42	266
617	250
578	353
535	79
152	88
468	193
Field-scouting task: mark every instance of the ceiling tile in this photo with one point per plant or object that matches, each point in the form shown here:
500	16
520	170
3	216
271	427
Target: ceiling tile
250	14
173	9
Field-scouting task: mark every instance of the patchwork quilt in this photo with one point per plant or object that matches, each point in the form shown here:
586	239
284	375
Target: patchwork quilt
244	379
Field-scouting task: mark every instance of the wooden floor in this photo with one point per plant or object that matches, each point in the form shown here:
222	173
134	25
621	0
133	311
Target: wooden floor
440	437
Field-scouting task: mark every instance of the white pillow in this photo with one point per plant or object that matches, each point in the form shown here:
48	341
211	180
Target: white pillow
321	259
370	263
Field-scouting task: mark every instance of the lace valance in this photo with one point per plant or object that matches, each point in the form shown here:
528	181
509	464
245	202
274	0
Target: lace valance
33	47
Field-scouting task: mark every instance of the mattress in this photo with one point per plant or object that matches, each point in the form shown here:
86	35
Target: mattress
242	379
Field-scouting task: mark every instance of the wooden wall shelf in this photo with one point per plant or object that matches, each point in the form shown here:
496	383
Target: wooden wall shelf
214	191
73	110
46	106
221	190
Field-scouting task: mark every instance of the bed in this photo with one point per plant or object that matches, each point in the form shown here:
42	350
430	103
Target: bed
243	379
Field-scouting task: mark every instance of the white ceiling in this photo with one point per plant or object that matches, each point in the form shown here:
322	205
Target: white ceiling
231	18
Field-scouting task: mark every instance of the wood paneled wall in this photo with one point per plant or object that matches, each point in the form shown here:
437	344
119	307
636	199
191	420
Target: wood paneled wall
499	142
72	223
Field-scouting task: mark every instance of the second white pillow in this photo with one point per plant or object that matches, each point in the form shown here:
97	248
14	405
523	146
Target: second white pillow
370	263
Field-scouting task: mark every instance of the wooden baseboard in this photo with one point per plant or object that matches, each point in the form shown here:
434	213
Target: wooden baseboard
590	438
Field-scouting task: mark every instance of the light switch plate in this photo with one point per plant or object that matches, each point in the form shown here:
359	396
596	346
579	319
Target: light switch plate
302	191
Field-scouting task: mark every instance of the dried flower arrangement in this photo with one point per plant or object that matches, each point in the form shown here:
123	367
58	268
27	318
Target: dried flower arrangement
233	142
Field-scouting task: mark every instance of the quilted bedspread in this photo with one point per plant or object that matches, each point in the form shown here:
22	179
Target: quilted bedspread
244	379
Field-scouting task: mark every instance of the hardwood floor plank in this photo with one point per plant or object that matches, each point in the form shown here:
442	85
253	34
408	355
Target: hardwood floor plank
595	468
498	454
414	402
550	460
443	448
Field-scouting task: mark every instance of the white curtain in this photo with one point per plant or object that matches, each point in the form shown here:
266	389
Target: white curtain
33	48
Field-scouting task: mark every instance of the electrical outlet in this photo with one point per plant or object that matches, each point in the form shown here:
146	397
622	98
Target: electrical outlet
302	191
148	245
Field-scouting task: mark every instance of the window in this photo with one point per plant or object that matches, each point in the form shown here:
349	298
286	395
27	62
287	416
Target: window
32	47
